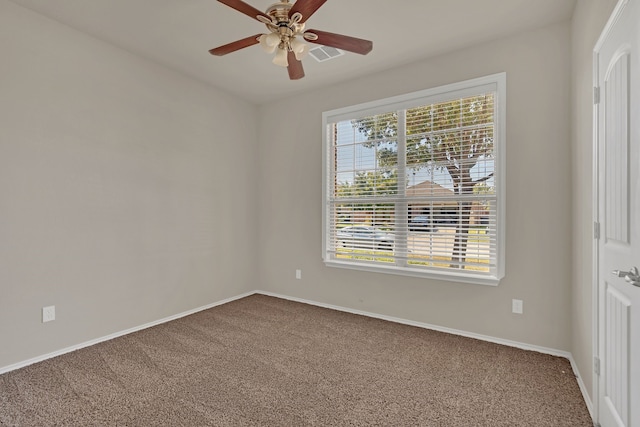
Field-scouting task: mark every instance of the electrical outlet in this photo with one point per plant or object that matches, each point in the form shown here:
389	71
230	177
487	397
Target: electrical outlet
298	274
48	313
517	306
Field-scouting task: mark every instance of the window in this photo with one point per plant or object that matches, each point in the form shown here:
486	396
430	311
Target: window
414	184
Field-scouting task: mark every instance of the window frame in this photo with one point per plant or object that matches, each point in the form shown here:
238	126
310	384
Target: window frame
495	83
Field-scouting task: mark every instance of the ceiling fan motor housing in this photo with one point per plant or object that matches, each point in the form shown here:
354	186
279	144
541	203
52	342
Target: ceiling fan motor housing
279	11
287	27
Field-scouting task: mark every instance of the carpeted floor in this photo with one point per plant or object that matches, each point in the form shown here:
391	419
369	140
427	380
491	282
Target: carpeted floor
263	361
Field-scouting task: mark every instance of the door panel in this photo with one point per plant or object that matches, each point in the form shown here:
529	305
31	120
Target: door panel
616	108
616	358
618	195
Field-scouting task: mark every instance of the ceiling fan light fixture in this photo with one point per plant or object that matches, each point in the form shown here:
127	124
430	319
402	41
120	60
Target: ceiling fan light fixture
265	45
272	39
281	57
301	55
299	48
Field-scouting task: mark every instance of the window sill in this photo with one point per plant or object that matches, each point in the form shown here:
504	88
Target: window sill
411	272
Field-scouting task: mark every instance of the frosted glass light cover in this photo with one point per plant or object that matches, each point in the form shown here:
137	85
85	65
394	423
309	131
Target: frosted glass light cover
300	48
273	39
281	58
264	44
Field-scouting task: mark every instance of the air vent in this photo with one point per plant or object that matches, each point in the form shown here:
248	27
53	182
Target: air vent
325	53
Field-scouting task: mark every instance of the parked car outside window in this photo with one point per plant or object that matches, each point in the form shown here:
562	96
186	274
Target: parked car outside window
420	223
365	237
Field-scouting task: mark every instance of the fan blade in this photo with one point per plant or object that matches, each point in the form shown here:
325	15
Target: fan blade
236	45
306	8
296	72
339	41
243	7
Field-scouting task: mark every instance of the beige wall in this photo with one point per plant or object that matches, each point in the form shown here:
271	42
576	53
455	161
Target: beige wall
589	19
126	191
538	197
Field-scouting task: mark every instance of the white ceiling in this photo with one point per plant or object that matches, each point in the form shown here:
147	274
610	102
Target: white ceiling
179	33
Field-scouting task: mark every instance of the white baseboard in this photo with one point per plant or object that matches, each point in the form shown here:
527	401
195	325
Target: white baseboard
510	343
583	388
117	334
520	345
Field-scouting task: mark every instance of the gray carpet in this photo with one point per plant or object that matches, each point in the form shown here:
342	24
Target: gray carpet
263	361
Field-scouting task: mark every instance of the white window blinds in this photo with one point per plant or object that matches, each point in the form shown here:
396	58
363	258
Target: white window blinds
413	184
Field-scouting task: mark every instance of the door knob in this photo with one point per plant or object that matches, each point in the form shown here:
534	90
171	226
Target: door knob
630	276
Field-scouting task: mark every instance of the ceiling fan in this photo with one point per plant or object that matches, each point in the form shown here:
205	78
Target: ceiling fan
286	24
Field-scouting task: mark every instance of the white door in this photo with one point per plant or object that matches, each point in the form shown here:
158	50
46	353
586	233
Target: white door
618	133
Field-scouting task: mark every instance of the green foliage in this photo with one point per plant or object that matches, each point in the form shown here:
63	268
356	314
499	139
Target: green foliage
379	183
482	188
452	135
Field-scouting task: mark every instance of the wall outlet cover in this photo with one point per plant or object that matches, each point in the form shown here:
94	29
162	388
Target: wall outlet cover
517	306
48	313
